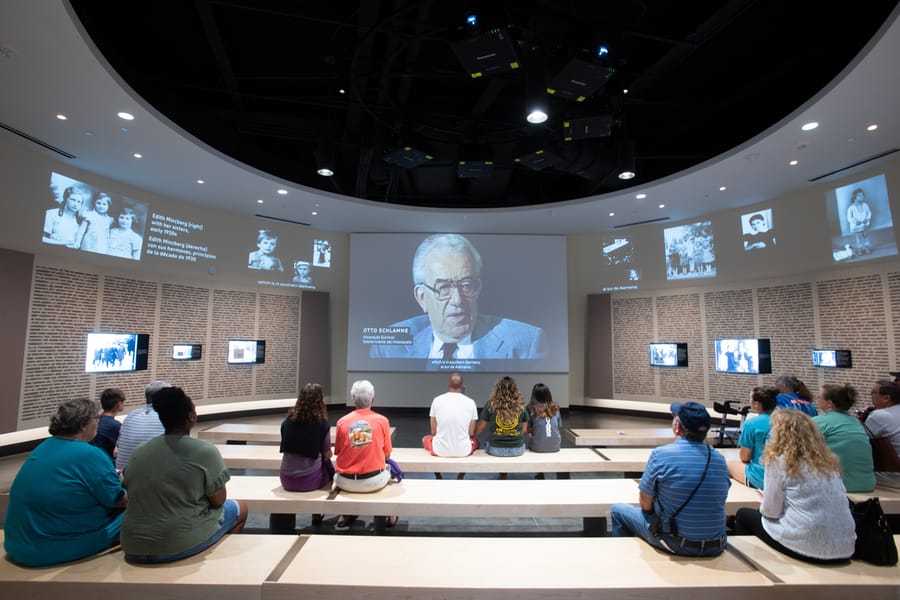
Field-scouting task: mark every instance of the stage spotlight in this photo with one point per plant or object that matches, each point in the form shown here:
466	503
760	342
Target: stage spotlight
472	21
625	167
602	51
325	159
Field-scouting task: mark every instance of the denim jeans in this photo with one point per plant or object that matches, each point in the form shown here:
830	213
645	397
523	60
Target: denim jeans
629	520
504	451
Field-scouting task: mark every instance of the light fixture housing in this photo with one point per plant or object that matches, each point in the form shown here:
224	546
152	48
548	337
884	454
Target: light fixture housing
625	166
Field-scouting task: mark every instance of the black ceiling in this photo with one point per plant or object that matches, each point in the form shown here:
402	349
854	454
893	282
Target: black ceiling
259	80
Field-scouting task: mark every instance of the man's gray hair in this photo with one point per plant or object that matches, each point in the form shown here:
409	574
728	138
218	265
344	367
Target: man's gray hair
442	241
362	393
154	387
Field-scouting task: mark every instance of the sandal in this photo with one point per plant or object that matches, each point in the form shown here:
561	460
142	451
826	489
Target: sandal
345	520
317	518
391	521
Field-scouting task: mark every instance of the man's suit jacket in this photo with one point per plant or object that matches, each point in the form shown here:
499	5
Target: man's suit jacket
493	337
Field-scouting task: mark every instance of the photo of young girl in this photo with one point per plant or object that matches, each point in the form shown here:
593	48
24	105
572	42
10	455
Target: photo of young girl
61	224
93	233
123	241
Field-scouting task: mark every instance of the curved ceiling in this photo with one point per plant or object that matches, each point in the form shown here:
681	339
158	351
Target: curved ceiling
262	82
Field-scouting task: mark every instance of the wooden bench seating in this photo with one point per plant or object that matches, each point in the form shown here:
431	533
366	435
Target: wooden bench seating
833	582
280	567
419	460
412	568
233	569
249	432
654	436
588	499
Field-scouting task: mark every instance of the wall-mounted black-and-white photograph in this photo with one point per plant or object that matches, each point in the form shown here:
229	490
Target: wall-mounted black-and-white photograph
859	218
82	217
690	251
322	254
758	229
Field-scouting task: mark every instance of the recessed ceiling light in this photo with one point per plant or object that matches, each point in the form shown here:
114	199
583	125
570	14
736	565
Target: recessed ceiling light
794	163
61	117
342	91
626	175
315	213
123	129
662	205
809	126
872	127
625	91
641	196
138	155
200	181
325	172
722	188
259	201
88	133
283	192
126	116
612	214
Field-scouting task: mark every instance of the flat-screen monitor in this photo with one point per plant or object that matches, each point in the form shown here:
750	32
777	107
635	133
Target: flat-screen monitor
187	351
246	352
107	352
668	354
743	355
832	359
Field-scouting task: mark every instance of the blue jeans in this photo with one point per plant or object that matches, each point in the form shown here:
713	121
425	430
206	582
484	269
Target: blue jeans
629	520
503	451
229	518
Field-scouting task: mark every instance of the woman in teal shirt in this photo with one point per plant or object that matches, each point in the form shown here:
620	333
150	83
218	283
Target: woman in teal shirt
66	500
845	436
754	435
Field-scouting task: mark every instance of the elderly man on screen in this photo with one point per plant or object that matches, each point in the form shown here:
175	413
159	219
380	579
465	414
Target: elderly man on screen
446	285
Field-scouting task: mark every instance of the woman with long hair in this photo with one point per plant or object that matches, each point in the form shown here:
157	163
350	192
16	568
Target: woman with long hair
544	422
505	412
845	436
804	511
306	444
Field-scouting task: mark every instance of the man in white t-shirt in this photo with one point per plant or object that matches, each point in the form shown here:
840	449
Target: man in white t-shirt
453	417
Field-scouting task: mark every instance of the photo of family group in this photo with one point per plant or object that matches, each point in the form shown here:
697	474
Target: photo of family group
82	217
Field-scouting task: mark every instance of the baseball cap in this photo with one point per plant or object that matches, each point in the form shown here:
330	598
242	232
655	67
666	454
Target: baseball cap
692	415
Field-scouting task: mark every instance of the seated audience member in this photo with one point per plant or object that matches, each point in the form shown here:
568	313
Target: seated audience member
752	442
793	393
804	511
846	437
682	491
544	421
505	413
453	416
884	421
176	489
112	400
362	446
65	502
306	444
140	425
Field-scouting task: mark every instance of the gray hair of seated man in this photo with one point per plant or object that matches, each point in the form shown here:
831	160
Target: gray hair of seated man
362	393
154	387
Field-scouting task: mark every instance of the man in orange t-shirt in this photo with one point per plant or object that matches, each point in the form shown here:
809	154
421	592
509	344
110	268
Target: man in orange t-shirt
362	444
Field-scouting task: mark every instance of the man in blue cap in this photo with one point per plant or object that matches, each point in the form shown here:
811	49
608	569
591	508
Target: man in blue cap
682	492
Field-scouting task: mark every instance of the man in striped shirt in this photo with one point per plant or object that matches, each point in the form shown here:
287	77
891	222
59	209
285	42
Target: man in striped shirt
682	492
139	426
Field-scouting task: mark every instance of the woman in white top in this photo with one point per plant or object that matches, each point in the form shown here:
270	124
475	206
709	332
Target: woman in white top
804	511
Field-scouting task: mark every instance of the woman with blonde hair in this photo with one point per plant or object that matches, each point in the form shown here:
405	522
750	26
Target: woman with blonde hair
804	511
505	412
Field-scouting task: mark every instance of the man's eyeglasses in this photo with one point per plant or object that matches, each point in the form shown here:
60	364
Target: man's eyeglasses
469	287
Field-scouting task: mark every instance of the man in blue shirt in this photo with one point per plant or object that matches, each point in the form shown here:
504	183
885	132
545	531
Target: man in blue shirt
682	492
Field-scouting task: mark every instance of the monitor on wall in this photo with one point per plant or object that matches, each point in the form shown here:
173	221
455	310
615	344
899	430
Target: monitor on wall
743	355
668	354
109	352
187	351
242	352
832	359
